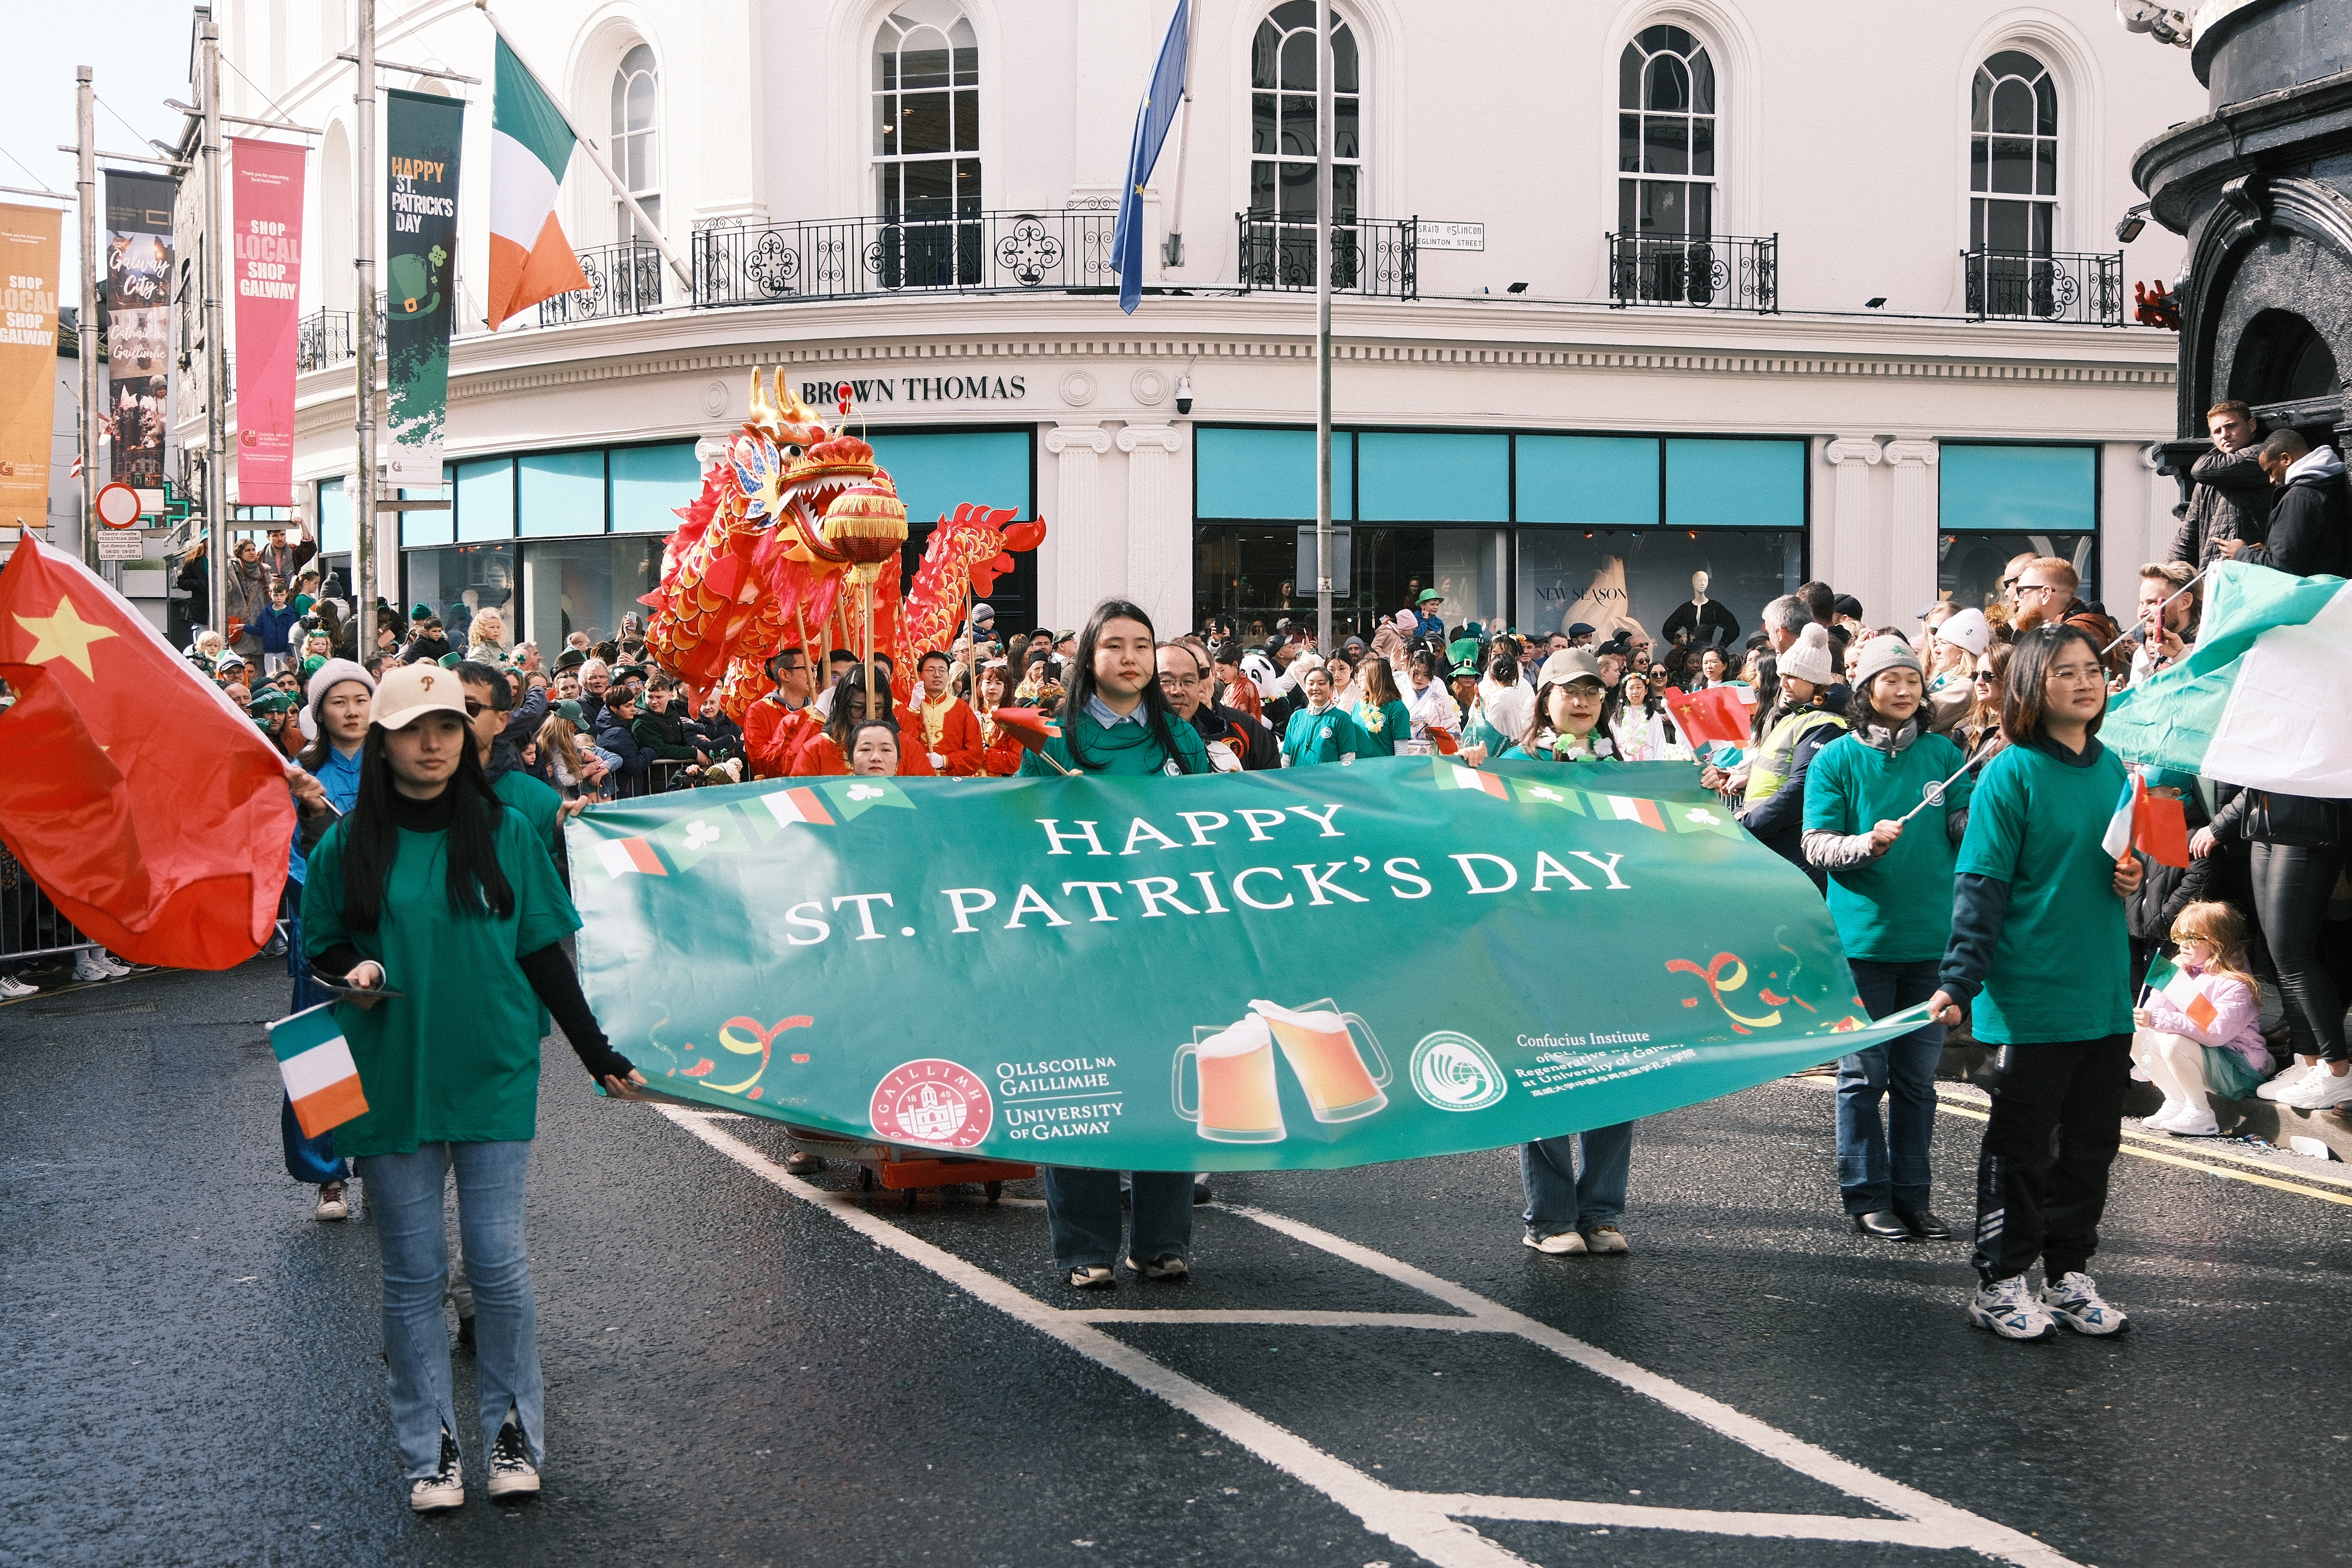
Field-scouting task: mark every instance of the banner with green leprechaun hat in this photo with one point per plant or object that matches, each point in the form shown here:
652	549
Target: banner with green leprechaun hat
1317	967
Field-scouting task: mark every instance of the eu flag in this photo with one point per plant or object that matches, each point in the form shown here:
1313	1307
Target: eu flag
1153	118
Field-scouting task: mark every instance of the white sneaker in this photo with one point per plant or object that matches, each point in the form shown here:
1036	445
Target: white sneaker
1559	1242
2194	1123
2011	1309
108	961
2305	1094
2160	1121
2325	1089
2075	1302
2287	1081
89	971
15	990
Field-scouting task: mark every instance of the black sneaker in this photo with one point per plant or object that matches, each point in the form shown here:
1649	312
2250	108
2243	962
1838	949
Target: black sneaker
513	1478
444	1490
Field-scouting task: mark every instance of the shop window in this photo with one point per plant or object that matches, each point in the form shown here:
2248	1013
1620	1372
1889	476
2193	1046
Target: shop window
650	483
456	581
1282	119
586	585
421	528
334	518
1259	574
1592	480
1267	473
1998	503
486	500
939	471
560	493
1634	579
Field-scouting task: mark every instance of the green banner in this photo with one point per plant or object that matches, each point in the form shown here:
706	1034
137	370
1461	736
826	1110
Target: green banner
1315	967
422	136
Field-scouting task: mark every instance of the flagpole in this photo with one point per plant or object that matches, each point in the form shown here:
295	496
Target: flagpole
2159	611
1323	118
92	413
216	338
1171	252
366	589
684	273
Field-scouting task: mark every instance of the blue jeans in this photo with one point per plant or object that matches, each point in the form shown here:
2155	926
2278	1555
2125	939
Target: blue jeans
1560	1198
1884	1165
404	1193
1082	1214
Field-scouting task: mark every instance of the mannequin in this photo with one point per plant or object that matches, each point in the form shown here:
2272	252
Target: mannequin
1703	620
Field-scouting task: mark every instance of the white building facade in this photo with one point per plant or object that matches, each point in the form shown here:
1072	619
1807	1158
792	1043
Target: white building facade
1802	291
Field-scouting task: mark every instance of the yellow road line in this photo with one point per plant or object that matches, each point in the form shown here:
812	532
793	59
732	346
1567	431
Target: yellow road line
2223	1172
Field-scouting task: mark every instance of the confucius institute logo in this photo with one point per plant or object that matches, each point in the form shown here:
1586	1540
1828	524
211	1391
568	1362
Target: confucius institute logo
932	1101
1452	1072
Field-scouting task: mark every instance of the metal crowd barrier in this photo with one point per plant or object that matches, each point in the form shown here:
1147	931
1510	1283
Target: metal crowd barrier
30	926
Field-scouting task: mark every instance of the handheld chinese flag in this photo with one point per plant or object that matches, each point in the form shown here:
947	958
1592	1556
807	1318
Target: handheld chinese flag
1714	714
1027	726
151	812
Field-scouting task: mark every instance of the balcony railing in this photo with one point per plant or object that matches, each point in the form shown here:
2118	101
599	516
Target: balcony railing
330	337
845	259
1378	257
2061	287
1729	272
624	280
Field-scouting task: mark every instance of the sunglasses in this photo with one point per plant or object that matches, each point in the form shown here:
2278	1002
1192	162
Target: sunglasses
1983	678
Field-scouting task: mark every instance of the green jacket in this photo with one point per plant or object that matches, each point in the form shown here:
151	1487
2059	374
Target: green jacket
1121	750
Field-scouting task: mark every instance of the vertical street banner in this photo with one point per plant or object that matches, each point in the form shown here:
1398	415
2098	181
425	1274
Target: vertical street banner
28	357
266	257
421	145
138	290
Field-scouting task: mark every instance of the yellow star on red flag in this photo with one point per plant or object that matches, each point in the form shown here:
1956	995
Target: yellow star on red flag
65	636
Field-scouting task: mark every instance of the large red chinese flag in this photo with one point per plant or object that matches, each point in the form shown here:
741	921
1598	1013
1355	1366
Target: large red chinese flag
1714	713
150	810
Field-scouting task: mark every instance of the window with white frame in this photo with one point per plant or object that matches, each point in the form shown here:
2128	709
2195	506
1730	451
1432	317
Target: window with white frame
637	108
1665	136
2013	157
1282	117
927	113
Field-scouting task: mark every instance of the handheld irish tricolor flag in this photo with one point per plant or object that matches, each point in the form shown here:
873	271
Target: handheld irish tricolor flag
529	144
2175	984
2258	700
2154	824
316	1063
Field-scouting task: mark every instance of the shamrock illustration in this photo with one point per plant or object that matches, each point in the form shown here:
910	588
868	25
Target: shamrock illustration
864	791
700	836
1543	794
439	256
1703	816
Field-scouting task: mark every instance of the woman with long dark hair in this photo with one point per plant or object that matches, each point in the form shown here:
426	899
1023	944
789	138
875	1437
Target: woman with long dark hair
1116	721
1115	717
2042	955
826	753
432	890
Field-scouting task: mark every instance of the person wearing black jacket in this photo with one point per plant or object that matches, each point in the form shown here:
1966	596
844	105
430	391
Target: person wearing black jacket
2295	854
1185	679
2307	528
2230	498
615	732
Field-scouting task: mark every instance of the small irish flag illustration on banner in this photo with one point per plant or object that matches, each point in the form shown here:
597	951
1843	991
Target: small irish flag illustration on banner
623	856
1625	809
797	805
316	1063
1454	776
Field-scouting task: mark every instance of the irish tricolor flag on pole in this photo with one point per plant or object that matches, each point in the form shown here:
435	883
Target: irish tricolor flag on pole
2260	701
316	1063
529	258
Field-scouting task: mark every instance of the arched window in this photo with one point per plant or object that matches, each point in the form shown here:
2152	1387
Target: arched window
636	93
1665	136
927	113
1281	118
2013	157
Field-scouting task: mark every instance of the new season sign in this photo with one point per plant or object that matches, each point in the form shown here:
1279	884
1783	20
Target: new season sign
1317	967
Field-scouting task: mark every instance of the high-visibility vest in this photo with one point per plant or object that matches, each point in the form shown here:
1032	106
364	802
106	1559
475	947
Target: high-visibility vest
1770	769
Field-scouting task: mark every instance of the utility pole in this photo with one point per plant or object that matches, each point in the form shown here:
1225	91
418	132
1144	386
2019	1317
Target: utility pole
1323	118
216	337
85	185
364	588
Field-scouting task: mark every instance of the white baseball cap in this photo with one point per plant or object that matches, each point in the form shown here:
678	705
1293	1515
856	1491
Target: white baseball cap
413	691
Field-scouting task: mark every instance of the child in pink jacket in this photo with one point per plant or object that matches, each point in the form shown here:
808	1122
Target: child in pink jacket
2224	1054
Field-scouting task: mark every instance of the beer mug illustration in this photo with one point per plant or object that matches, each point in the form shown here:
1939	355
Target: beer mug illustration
1320	1042
1239	1102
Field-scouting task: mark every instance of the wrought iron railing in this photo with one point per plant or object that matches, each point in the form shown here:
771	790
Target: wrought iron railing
2059	287
745	264
1380	257
624	280
330	337
1730	272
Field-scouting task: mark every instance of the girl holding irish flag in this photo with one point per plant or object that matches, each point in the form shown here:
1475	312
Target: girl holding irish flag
2198	1032
2040	951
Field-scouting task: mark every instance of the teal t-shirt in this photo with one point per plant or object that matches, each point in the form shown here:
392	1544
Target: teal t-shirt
454	1058
1316	740
1121	750
1896	909
1382	729
539	803
2061	970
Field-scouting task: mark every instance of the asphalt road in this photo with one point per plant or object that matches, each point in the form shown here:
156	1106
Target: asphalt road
1367	1368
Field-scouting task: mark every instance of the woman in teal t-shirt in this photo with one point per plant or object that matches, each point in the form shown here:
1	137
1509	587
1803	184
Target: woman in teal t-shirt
1569	699
1116	722
1320	734
2039	943
1379	711
1884	874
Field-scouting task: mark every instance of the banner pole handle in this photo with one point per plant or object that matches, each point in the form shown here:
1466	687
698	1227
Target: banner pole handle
1936	798
2160	610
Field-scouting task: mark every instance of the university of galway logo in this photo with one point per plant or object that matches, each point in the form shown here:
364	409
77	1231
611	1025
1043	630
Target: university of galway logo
933	1102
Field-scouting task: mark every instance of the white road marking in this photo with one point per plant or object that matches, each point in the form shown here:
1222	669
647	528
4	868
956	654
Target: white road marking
1429	1522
